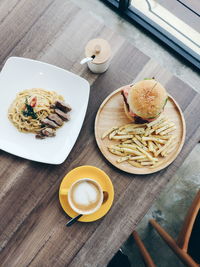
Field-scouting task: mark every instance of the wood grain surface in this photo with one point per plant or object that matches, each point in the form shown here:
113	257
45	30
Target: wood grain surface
32	225
111	113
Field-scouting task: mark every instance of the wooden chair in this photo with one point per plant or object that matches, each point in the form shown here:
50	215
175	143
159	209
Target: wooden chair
144	253
190	231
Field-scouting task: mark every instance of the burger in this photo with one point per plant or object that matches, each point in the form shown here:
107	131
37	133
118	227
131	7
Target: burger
144	101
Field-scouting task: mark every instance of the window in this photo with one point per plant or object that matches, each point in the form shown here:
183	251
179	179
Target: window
175	22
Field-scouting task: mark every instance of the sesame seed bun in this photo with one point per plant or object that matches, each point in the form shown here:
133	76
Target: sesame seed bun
147	98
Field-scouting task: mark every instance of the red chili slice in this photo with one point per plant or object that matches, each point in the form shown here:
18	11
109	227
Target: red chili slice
33	102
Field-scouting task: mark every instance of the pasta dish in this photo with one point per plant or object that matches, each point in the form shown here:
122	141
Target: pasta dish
30	107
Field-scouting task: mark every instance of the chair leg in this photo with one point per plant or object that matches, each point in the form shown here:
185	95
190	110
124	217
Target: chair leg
183	256
145	255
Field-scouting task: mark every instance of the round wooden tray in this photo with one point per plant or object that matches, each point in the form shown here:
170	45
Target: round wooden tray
111	113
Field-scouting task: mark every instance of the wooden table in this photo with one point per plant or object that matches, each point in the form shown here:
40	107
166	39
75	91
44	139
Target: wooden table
32	223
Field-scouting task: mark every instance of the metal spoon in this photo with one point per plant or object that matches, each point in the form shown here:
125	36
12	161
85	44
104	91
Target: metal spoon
87	59
73	220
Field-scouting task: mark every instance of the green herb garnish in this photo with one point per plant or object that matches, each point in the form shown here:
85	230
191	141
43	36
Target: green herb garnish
165	102
29	111
149	78
154	116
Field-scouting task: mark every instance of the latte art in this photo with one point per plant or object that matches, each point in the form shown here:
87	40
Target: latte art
85	195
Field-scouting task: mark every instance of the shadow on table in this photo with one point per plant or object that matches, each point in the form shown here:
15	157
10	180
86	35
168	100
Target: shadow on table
119	260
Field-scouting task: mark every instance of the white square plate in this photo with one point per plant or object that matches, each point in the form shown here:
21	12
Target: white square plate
19	74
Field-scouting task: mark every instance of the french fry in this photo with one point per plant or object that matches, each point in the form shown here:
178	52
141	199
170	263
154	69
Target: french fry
169	125
131	126
137	157
135	164
163	147
115	152
145	153
168	130
112	134
115	147
169	149
127	142
139	138
129	131
158	145
154	147
122	159
106	133
154	139
122	132
155	159
150	146
147	132
125	126
147	163
139	143
146	159
157	164
121	137
144	142
126	150
153	123
131	146
151	131
131	151
137	131
160	125
164	137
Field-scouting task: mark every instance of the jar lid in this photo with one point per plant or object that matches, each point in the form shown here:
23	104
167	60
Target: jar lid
99	48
